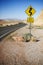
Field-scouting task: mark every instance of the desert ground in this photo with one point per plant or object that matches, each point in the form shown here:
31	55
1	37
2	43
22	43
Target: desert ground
18	52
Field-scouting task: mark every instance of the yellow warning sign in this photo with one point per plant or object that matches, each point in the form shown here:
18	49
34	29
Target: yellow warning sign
30	19
30	11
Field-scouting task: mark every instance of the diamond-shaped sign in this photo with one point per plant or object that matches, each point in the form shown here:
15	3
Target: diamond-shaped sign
30	11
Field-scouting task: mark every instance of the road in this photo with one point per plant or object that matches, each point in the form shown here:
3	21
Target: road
4	31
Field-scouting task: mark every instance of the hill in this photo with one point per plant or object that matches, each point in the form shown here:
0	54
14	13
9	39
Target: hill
39	19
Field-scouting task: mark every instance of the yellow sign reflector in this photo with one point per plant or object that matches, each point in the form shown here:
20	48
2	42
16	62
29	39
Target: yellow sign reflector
30	11
30	19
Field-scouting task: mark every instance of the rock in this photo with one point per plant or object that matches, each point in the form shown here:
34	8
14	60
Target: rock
18	38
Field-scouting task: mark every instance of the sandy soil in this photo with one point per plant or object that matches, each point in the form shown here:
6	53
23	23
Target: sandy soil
22	53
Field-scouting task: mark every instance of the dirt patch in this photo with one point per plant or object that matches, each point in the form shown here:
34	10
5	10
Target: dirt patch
21	53
12	53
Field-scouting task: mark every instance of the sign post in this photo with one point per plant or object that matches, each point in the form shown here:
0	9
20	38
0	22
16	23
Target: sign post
30	11
30	30
30	20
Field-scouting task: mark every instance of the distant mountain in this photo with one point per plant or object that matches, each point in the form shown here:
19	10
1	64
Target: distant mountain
2	21
5	22
39	19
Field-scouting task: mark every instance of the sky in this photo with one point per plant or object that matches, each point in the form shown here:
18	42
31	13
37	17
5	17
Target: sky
15	9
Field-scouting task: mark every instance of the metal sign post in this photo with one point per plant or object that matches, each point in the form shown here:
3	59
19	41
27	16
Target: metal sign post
30	30
30	20
30	11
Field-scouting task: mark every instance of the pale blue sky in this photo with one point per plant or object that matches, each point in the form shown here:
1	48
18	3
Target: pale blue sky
15	9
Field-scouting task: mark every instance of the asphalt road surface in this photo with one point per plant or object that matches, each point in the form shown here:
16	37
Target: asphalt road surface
4	31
